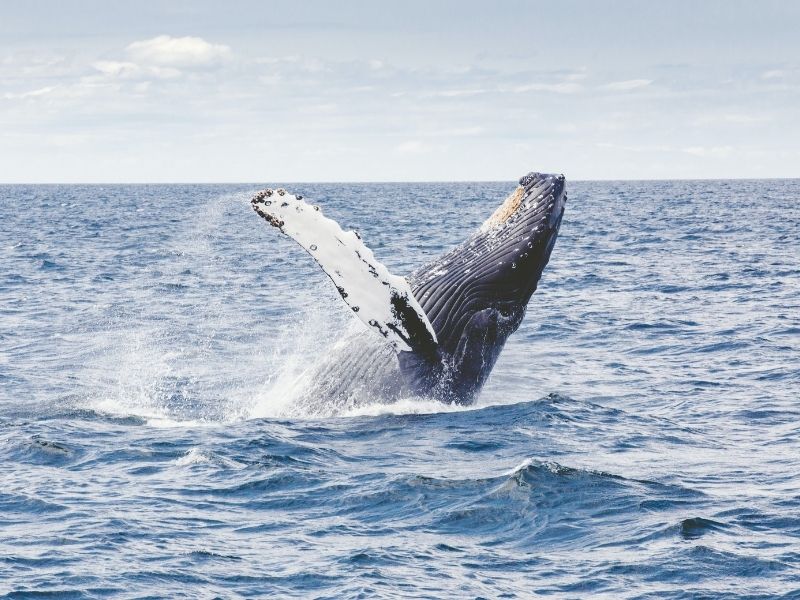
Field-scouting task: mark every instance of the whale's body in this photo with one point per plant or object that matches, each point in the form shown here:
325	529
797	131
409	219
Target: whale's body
438	332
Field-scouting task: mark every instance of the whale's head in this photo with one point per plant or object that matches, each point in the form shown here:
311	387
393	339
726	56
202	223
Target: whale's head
511	249
476	295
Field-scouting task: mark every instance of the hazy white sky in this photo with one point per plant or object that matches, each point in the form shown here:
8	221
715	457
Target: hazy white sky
104	91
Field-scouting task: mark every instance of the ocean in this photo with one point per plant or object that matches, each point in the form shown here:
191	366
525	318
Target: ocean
638	438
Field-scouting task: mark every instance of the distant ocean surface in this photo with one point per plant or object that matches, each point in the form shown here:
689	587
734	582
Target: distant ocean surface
639	437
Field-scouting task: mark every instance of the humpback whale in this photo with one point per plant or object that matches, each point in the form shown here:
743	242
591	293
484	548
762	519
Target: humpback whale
438	332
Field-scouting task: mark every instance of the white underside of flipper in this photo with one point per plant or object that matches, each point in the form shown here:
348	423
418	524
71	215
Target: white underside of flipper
382	301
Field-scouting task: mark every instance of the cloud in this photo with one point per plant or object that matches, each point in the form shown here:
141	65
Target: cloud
177	52
773	74
32	94
25	65
131	70
54	95
116	68
576	75
637	148
565	128
563	87
413	147
460	131
732	118
457	93
710	151
163	57
627	85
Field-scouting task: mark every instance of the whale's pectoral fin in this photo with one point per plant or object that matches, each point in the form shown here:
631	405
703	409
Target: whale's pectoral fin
384	302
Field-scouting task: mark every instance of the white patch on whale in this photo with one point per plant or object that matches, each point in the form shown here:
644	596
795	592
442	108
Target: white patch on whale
382	301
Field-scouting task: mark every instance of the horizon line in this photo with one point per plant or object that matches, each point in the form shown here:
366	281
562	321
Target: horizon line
376	181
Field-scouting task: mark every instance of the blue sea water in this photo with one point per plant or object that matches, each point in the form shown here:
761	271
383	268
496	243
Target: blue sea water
639	437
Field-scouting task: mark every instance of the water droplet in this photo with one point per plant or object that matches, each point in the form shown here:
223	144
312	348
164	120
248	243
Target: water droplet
313	247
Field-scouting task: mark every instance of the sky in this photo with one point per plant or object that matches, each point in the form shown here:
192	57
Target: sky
273	91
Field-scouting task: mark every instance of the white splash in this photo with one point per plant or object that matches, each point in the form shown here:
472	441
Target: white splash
406	406
192	457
